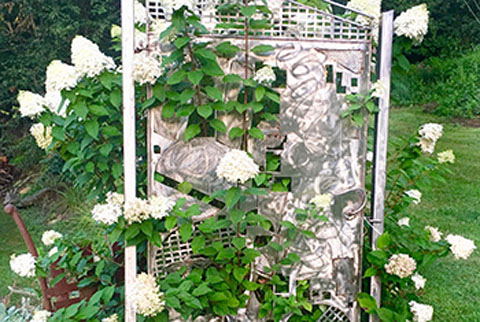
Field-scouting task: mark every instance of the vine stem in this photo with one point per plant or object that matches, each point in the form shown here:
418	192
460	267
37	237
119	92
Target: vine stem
245	99
197	88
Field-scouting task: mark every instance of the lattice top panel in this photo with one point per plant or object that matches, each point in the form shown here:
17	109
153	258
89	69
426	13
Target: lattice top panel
289	19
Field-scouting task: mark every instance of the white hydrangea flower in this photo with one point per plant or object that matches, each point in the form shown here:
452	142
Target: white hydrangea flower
146	296
369	156
265	75
50	236
419	281
404	222
413	23
60	76
171	5
160	206
88	59
371	8
435	234
137	210
446	156
31	104
157	27
146	68
96	259
111	318
401	265
461	247
421	312
53	251
115	31
42	135
140	13
41	316
115	198
53	101
23	265
429	134
236	166
379	89
322	201
415	195
107	214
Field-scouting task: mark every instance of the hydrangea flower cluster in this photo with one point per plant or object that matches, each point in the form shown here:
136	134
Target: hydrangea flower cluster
401	265
53	251
30	104
322	201
415	195
421	312
140	13
429	134
265	75
419	281
237	166
413	23
146	68
60	76
435	234
23	265
404	222
50	236
137	210
40	316
370	7
461	247
111	318
43	135
446	157
88	59
147	297
171	5
379	89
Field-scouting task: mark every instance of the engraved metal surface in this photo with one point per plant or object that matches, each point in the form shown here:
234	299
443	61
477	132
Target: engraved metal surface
319	151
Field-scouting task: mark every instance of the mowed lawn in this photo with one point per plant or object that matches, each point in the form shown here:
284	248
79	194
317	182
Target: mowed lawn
453	286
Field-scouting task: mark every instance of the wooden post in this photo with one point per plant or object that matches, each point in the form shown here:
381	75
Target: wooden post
129	157
381	141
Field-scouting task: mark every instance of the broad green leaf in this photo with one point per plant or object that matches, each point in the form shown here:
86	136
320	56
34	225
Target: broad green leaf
259	93
238	242
168	110
197	243
170	222
384	241
185	187
81	109
58	133
205	110
159	92
195	77
232	78
105	149
239	273
117	170
147	228
92	128
218	125
235	132
262	49
276	246
202	289
248	11
226	48
186	231
256	133
186	95
211	68
232	196
367	302
181	41
371	271
185	110
206	53
116	97
98	110
236	215
177	77
192	131
214	93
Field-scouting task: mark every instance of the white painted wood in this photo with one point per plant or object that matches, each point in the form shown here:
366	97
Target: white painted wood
129	156
381	140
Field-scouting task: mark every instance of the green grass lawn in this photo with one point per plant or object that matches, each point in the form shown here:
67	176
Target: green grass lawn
453	286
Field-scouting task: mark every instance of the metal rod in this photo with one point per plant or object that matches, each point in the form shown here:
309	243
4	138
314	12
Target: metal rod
129	157
381	141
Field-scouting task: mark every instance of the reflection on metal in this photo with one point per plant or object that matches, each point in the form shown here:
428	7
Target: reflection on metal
325	57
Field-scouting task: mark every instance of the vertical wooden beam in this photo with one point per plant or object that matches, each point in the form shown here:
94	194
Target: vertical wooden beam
129	156
381	140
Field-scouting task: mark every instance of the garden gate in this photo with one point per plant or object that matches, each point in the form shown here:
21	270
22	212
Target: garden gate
324	56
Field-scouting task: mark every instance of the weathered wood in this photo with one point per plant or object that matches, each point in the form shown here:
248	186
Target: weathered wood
129	156
381	140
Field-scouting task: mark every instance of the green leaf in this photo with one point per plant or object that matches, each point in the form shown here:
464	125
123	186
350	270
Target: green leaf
177	77
81	109
111	131
367	302
168	110
259	24
99	268
159	92
170	222
214	93
250	286
117	170
232	78
132	231
218	125
90	167
92	128
105	149
377	257
249	255
172	301
256	133
371	271
211	68
185	110
232	196
227	253
181	41
108	293
238	242
186	231
204	110
206	53
116	98
226	48
259	49
235	132
147	228
202	289
192	131
195	77
248	11
186	95
358	119
98	110
236	215
403	63
185	187
276	246
259	93
58	133
385	315
239	273
384	241
197	243
57	279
